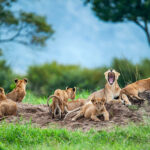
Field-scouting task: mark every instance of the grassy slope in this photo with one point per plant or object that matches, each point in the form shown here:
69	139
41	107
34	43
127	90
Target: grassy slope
26	137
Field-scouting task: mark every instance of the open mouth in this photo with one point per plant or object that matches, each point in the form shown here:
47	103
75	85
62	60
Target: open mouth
111	77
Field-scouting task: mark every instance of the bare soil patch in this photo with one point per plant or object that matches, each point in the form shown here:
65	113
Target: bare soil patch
39	115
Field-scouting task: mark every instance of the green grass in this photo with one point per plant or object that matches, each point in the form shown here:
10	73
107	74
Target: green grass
30	98
25	137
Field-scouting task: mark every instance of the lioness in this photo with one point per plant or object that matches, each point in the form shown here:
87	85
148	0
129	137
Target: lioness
60	99
19	92
94	109
111	90
7	106
134	89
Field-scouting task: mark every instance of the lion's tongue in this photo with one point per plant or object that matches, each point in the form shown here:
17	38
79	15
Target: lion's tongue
111	80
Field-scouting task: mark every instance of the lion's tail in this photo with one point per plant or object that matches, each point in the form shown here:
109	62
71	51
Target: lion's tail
53	96
69	112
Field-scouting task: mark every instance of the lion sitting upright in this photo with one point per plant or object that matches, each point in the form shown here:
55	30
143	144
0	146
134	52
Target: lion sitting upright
111	90
7	106
19	92
60	99
94	109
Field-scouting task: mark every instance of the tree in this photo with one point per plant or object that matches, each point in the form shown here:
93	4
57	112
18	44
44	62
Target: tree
22	27
137	11
6	74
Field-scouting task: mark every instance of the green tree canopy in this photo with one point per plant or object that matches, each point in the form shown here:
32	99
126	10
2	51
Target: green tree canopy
22	27
137	11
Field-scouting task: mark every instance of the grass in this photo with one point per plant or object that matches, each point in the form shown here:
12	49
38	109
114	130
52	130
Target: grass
28	137
25	137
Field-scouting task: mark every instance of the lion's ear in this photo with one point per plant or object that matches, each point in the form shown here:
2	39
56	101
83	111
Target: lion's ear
117	74
106	73
67	88
93	99
103	100
16	80
26	80
74	89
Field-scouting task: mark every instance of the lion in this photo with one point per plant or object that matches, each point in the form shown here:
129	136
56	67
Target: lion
7	106
71	105
112	89
60	99
19	92
94	109
132	90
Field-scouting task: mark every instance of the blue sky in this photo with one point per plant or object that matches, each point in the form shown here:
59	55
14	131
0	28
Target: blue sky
80	38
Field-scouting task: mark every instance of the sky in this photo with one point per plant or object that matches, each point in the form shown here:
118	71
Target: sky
80	38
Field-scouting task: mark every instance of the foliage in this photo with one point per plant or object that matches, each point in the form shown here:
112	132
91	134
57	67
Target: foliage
135	137
22	27
136	11
6	75
46	78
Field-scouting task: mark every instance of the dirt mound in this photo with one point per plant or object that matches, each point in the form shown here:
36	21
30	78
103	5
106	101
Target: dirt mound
39	115
119	115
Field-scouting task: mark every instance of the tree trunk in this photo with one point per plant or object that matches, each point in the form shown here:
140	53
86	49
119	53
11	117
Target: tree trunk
145	29
147	33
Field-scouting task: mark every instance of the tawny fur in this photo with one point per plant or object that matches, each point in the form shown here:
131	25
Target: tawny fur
57	105
93	110
7	106
61	104
71	105
134	89
110	91
19	92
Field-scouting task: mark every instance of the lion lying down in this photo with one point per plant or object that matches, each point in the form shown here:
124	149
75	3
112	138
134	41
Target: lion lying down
71	105
94	109
7	106
132	90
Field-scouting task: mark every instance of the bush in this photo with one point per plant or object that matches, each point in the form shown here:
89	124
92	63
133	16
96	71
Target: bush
6	76
44	79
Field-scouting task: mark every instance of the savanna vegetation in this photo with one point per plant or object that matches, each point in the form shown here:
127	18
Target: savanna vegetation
31	29
16	137
44	79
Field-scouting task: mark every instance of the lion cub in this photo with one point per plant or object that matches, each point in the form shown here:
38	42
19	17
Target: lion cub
7	106
94	109
134	89
19	92
60	99
71	105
